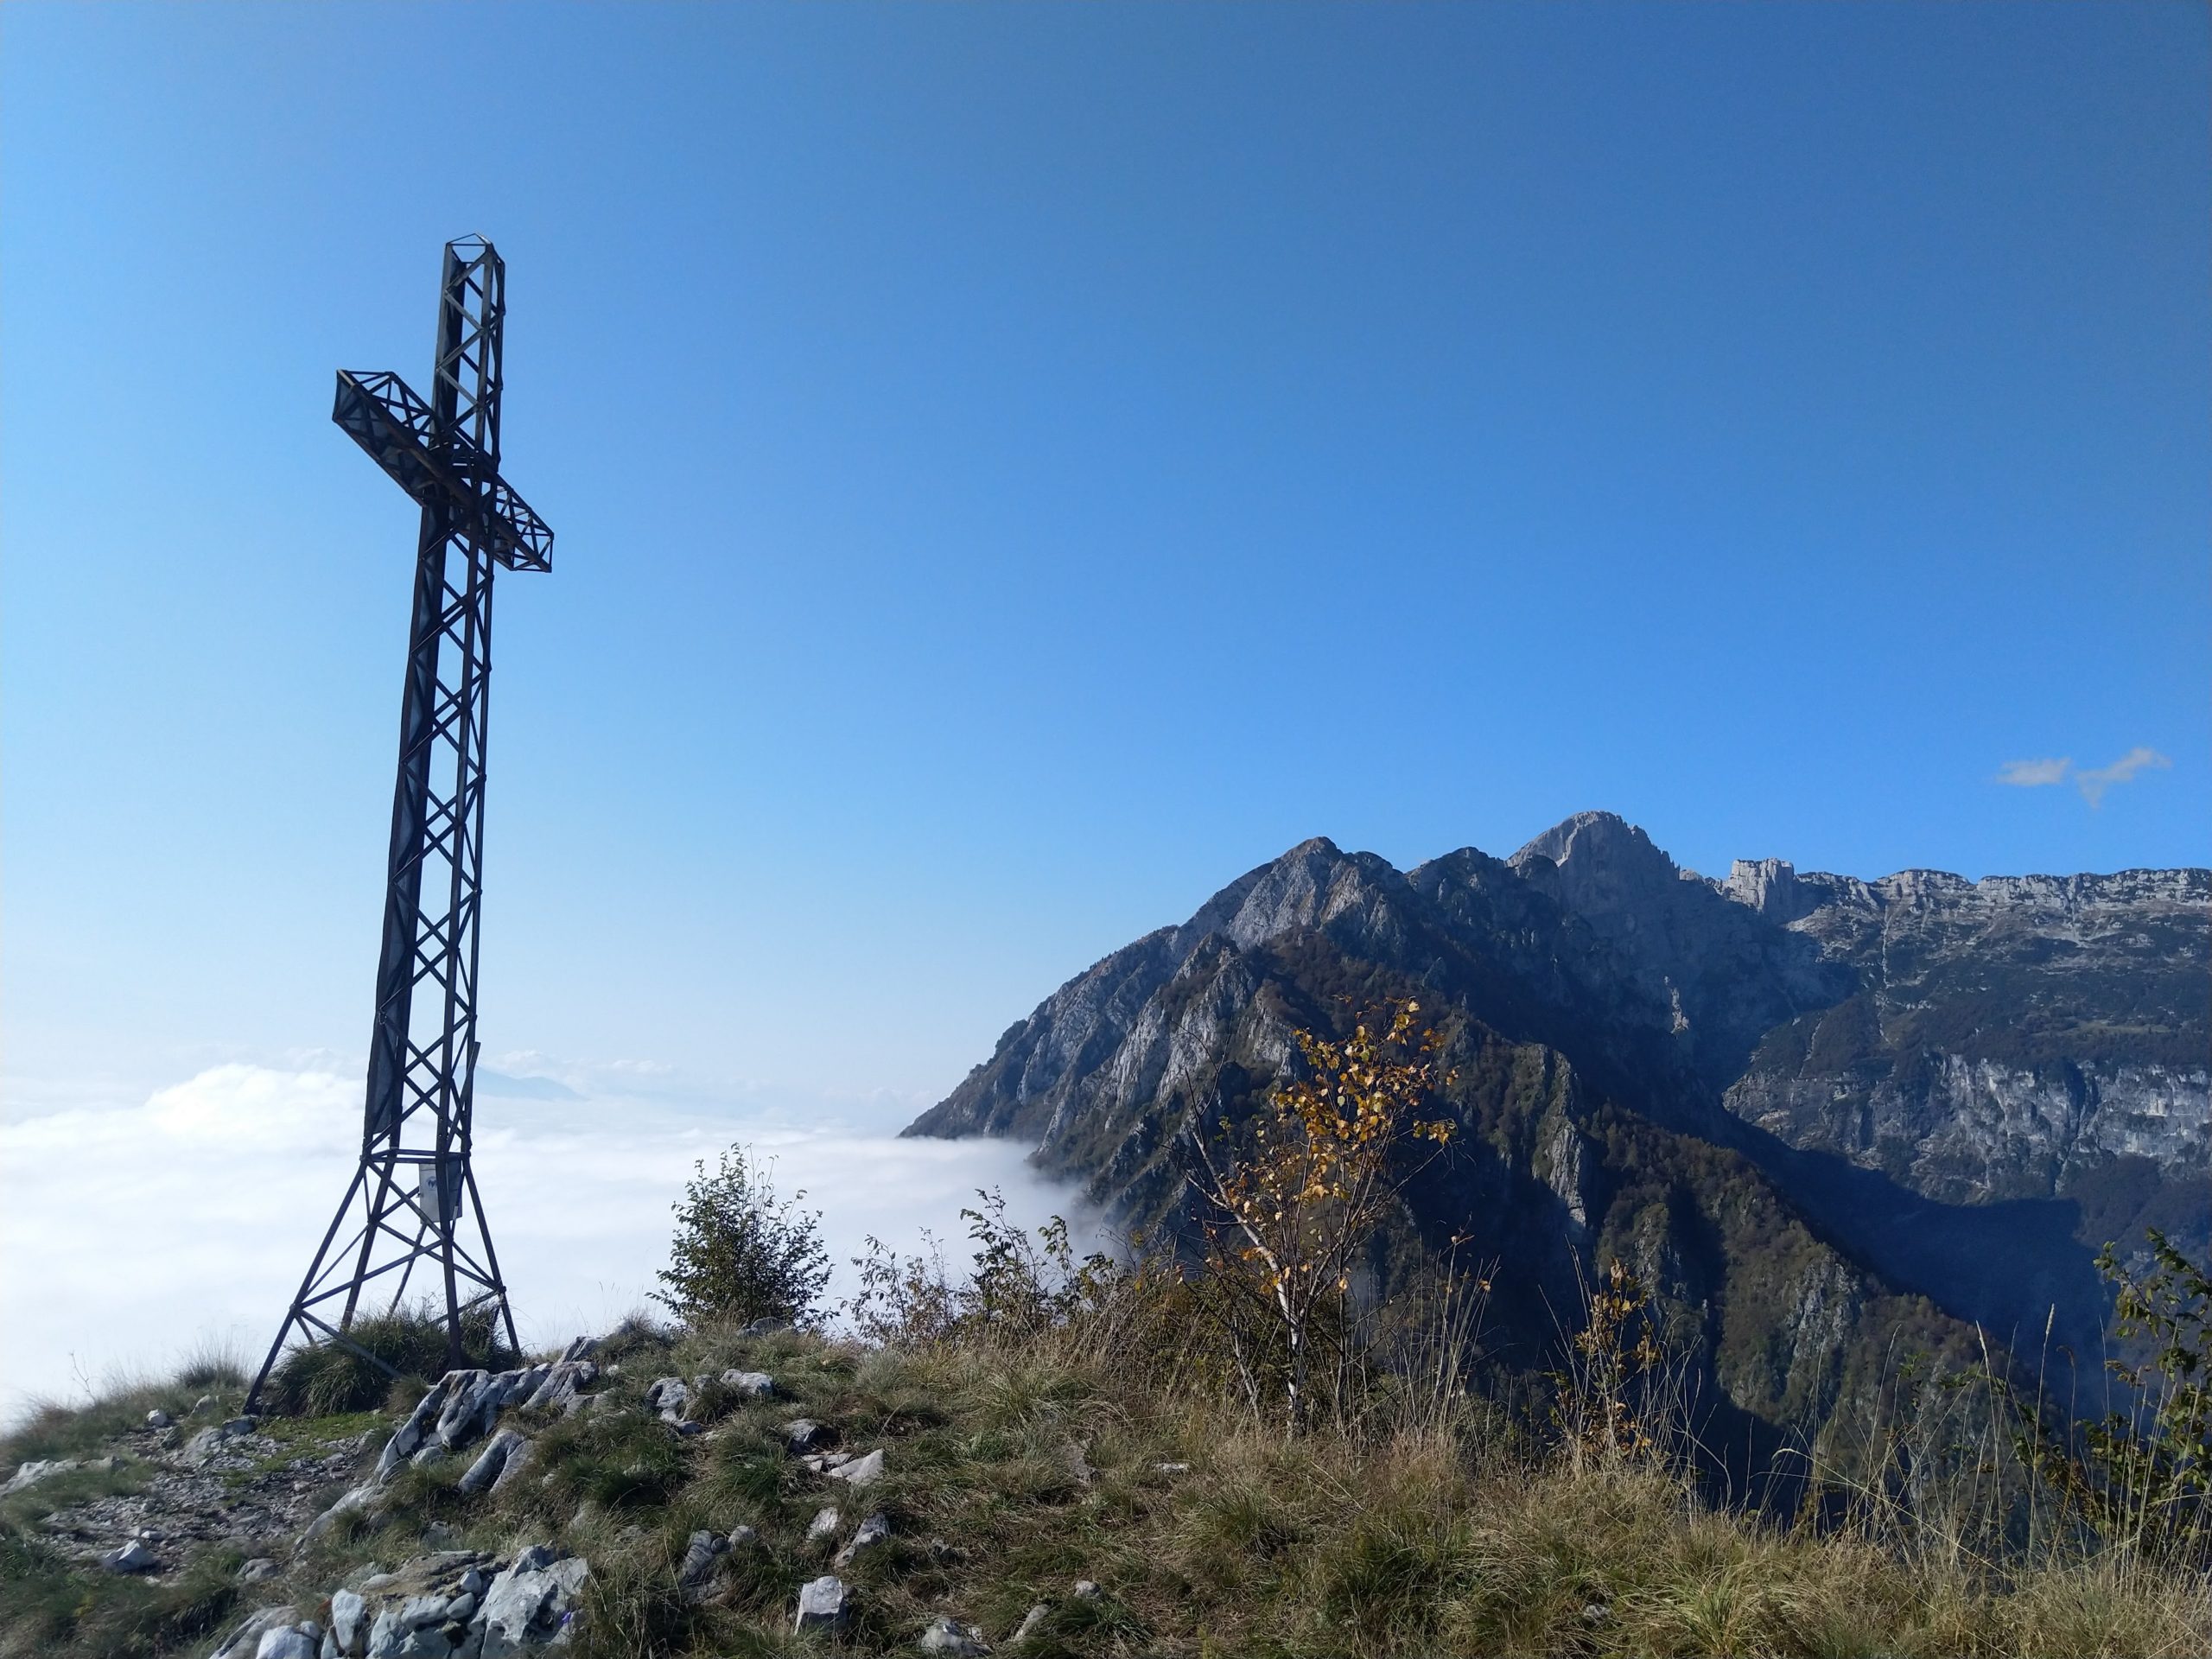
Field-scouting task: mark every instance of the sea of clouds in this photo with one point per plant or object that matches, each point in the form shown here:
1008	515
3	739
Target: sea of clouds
132	1234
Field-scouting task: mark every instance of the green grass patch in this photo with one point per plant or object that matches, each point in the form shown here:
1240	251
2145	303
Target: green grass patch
47	1606
58	1492
320	1433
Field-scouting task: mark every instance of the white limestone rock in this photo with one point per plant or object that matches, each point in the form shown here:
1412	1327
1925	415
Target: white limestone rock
348	1623
471	1398
492	1462
1032	1622
407	1439
518	1459
824	1604
244	1639
671	1399
30	1474
533	1603
562	1386
205	1445
861	1471
361	1498
131	1557
942	1636
701	1556
866	1536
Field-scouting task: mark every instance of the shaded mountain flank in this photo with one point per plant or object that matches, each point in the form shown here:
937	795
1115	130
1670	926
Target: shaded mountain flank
1832	1121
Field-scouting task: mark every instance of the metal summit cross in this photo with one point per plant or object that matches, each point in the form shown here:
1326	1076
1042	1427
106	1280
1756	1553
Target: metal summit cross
416	1194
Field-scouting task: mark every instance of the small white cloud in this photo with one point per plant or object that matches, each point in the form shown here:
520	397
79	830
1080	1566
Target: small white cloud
2093	782
2031	774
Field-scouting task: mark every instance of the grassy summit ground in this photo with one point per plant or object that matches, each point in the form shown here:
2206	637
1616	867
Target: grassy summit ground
1016	1468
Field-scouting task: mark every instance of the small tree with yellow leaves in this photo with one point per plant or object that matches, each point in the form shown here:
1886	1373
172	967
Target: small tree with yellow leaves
1289	1220
1617	1357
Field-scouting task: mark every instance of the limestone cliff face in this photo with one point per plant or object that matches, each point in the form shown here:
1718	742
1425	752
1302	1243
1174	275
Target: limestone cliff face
1792	1095
2006	1038
1972	1129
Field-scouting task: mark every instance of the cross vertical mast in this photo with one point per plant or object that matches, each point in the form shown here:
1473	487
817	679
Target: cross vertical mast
413	1172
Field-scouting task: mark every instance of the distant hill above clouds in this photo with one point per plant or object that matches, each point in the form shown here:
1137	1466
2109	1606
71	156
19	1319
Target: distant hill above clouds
1799	1099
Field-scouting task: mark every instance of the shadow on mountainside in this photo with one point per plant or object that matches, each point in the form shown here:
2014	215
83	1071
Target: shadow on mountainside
2010	1267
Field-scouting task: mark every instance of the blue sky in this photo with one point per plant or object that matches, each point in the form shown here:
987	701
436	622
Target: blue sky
1016	470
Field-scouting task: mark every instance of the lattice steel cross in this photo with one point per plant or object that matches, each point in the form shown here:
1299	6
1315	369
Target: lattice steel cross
414	1192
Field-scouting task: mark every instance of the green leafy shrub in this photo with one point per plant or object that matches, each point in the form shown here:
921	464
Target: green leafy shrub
742	1250
1018	1288
2144	1474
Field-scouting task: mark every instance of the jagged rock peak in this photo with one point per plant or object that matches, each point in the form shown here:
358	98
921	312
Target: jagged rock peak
1310	858
1312	884
1601	838
1768	886
1598	862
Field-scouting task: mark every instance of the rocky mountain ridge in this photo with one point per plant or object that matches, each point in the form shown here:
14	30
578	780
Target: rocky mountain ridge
1919	1085
2033	1027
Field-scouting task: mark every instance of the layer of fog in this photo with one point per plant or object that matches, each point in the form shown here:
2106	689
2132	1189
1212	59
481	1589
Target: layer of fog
133	1235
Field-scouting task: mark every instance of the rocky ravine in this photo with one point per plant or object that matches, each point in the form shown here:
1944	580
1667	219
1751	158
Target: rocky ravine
1919	1084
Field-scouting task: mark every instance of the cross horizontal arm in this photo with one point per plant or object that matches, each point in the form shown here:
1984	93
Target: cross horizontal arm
398	429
